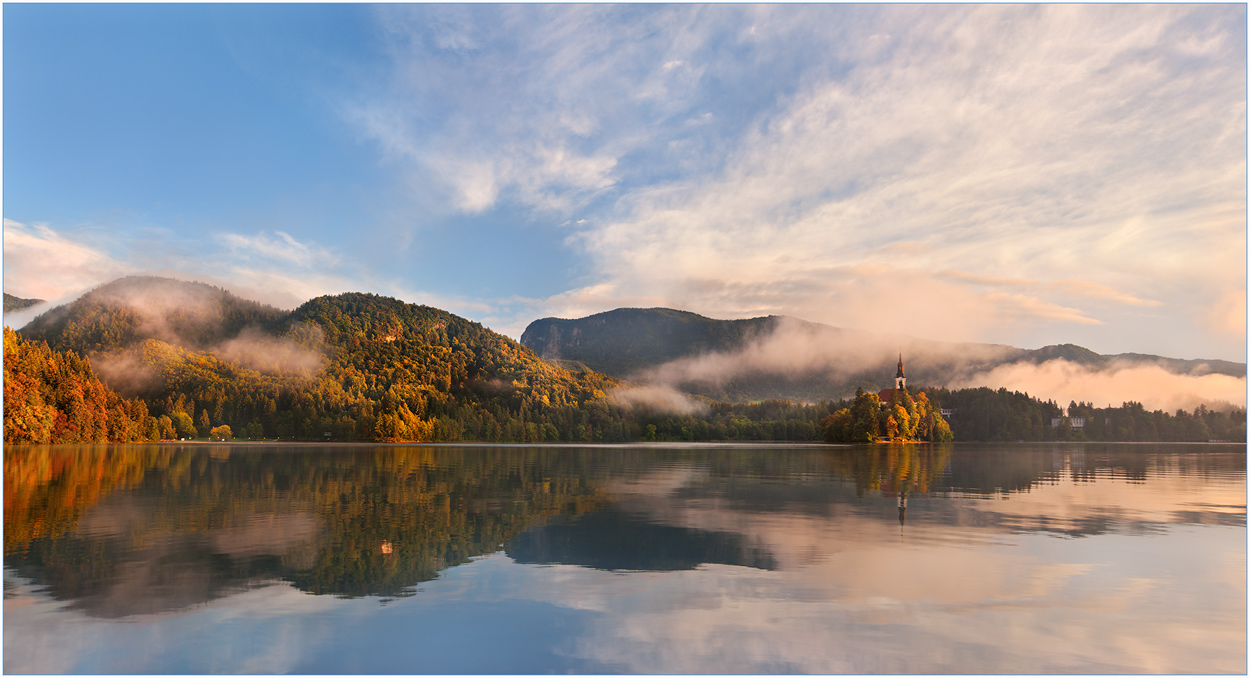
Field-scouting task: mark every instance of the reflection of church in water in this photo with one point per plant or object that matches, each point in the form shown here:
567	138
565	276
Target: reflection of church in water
887	397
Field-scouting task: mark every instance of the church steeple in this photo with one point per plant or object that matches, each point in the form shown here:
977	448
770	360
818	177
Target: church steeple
900	381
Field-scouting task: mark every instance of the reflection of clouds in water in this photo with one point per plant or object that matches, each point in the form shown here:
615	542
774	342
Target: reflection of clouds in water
1061	497
927	609
1068	505
972	584
1032	603
42	636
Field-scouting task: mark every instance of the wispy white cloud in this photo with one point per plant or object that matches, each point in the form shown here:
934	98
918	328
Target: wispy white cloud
41	263
1079	288
538	106
1063	158
273	268
279	247
1071	164
58	266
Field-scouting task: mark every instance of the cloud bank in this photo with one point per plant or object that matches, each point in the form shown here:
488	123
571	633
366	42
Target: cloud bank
1151	385
1016	174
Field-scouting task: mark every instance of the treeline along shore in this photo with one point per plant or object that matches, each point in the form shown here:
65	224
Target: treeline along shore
149	359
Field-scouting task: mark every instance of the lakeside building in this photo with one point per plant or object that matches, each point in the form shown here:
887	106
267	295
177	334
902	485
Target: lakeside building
1077	422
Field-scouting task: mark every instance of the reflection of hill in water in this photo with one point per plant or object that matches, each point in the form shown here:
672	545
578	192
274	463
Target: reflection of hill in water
611	539
123	530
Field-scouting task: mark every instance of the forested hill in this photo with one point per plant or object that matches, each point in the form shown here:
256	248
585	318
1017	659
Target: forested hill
129	310
12	303
353	366
626	340
781	357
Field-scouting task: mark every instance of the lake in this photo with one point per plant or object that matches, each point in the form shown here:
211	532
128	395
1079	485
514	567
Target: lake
324	559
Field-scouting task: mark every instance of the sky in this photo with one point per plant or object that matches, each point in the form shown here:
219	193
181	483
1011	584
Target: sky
1017	174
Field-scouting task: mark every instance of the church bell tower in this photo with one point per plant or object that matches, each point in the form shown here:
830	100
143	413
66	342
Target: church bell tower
900	381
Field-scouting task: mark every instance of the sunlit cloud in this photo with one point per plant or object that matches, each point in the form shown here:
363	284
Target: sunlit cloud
1228	314
1079	288
545	107
1054	173
1151	385
40	263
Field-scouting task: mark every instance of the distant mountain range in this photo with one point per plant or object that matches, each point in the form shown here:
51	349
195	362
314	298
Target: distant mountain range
782	357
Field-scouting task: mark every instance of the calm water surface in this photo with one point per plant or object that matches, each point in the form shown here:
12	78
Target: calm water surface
1048	558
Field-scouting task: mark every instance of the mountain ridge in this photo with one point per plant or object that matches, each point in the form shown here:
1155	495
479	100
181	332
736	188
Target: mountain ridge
640	343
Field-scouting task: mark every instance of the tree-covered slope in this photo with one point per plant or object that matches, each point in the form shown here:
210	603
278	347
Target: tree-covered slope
126	311
12	303
53	397
353	366
627	340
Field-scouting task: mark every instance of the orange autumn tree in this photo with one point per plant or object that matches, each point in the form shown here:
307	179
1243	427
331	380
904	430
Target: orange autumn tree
869	420
53	397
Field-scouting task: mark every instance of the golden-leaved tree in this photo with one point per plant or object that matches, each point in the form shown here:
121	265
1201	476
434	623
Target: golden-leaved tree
869	420
54	397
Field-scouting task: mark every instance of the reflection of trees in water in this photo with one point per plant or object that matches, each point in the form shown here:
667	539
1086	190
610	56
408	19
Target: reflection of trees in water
895	469
196	523
985	469
46	488
131	529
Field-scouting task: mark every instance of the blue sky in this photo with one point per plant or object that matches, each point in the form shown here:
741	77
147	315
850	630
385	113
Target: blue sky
1014	174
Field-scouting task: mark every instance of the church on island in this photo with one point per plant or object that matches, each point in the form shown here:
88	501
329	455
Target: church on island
887	396
891	415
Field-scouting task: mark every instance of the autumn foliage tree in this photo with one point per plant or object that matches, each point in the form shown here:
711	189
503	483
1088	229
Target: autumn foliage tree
904	418
54	397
